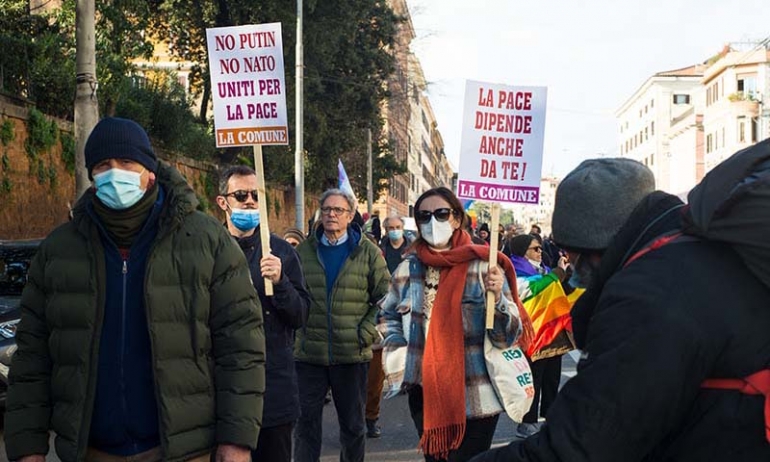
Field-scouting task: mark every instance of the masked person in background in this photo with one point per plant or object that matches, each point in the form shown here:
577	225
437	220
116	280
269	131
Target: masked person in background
141	334
393	245
443	284
284	312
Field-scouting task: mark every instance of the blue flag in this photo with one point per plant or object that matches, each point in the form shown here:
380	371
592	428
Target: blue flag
343	182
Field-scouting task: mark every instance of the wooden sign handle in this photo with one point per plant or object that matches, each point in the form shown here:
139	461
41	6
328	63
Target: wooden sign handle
494	236
264	229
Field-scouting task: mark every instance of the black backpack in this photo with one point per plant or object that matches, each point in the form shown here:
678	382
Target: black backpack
732	204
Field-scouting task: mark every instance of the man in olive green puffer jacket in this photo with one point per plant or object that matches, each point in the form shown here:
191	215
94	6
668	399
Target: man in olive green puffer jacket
346	275
141	333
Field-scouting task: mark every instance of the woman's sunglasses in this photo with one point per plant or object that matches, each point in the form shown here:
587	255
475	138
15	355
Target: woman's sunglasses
536	248
423	216
242	196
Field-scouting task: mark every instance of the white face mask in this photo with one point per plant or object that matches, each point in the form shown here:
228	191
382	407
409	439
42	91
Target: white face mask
437	233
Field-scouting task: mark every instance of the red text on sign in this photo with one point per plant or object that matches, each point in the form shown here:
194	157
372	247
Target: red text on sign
518	100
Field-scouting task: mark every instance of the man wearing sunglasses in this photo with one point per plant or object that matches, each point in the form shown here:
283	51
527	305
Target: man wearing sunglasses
141	335
284	312
347	276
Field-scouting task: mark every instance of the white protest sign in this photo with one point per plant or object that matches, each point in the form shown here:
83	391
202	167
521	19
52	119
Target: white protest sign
501	153
248	85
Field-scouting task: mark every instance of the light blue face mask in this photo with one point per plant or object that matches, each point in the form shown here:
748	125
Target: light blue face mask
395	234
244	219
119	189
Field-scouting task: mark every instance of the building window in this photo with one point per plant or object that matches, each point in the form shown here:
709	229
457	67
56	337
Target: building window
723	137
709	140
652	160
652	103
681	99
747	85
754	129
741	130
646	136
652	128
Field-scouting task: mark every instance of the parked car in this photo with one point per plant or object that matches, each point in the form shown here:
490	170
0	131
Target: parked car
15	257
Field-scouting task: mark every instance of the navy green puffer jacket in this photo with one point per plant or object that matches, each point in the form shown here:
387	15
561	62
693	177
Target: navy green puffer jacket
205	329
341	326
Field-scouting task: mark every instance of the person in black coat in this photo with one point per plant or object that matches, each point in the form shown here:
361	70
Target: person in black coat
652	328
284	312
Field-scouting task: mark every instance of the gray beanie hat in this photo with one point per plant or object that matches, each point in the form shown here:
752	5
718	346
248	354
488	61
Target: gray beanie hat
595	200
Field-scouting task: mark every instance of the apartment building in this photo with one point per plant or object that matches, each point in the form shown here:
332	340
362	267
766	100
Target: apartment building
737	100
397	112
683	123
427	162
542	213
663	108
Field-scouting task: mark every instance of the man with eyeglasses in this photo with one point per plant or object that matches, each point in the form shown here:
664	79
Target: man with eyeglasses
347	276
141	335
284	312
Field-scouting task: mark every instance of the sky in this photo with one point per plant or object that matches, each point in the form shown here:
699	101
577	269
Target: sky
591	54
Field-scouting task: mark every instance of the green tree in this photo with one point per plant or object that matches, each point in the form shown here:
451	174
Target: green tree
38	59
347	63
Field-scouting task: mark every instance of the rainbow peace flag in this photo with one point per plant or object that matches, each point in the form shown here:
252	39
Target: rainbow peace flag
548	308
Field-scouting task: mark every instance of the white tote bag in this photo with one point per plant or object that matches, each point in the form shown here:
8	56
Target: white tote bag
511	378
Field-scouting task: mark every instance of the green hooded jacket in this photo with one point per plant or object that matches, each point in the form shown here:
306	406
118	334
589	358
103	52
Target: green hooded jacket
206	335
341	326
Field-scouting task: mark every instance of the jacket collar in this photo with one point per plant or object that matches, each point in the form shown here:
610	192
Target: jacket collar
656	214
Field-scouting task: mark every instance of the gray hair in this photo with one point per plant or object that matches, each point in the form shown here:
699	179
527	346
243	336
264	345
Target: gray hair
338	192
393	217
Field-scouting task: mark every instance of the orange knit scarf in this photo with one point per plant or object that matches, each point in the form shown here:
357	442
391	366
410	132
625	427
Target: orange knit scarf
443	370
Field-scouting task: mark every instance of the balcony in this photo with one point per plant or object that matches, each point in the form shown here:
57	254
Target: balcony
745	104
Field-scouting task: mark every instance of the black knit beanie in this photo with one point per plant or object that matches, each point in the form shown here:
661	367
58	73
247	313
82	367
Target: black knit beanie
520	244
115	138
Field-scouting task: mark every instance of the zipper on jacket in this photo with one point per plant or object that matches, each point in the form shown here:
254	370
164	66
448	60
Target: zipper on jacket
328	307
123	402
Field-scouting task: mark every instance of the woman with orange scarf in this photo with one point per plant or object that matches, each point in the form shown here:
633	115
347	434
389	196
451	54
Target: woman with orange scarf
442	283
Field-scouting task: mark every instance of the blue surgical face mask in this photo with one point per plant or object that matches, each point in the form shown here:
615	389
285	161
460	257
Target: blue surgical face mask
395	234
119	189
244	219
583	272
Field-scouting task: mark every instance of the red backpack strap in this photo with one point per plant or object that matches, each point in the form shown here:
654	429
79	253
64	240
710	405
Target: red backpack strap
655	245
755	384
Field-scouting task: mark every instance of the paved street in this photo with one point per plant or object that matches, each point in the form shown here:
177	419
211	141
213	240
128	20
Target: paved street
399	438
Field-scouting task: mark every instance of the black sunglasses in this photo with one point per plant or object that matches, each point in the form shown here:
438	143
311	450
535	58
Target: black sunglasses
242	196
537	248
423	216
